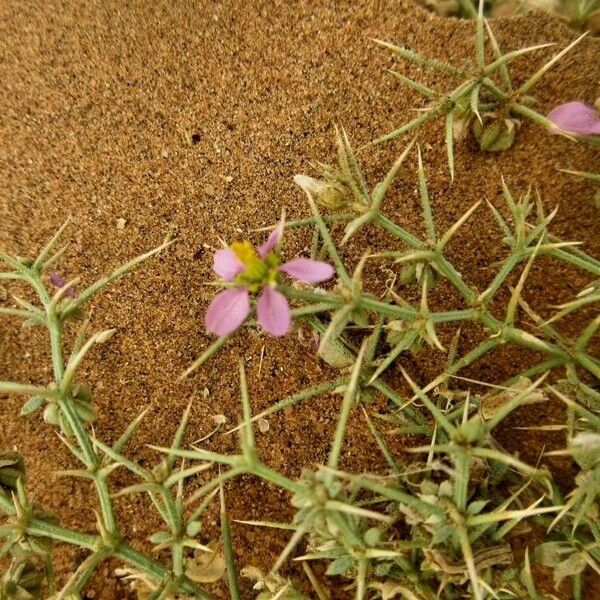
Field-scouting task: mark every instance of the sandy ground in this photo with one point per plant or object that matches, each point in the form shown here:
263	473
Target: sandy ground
192	118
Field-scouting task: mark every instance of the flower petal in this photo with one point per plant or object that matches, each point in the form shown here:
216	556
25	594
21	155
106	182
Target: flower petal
272	240
57	280
227	311
61	282
577	118
227	264
305	269
273	312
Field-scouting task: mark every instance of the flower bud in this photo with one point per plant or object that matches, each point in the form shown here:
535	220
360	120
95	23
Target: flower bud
408	274
495	134
23	581
52	414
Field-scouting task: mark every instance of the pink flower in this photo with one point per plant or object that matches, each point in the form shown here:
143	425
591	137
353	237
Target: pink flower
575	118
258	273
60	283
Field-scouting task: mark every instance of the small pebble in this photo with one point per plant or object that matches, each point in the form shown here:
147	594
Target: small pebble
263	425
121	223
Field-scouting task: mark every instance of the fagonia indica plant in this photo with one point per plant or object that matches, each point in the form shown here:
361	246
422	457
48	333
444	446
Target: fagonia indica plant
447	514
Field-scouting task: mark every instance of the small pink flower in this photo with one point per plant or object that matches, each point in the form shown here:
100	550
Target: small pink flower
575	118
60	282
258	273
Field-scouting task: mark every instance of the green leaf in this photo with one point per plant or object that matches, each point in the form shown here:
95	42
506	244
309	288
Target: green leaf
339	566
161	537
573	565
32	405
585	448
476	507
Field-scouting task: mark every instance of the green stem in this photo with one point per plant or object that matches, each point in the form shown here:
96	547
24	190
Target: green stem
572	256
384	308
157	570
347	403
70	413
234	586
334	300
453	275
276	478
470	314
588	363
25	389
83	573
108	515
461	479
58	363
399	232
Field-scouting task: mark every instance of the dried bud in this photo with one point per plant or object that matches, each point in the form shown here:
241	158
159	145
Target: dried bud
331	194
418	272
463	115
161	471
52	414
12	468
22	581
470	433
495	134
334	196
85	410
494	402
82	392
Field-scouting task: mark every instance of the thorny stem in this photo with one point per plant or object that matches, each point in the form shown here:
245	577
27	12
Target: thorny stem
65	404
39	528
349	398
461	483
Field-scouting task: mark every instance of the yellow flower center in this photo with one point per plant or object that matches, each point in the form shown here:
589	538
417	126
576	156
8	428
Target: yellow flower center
245	253
257	272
